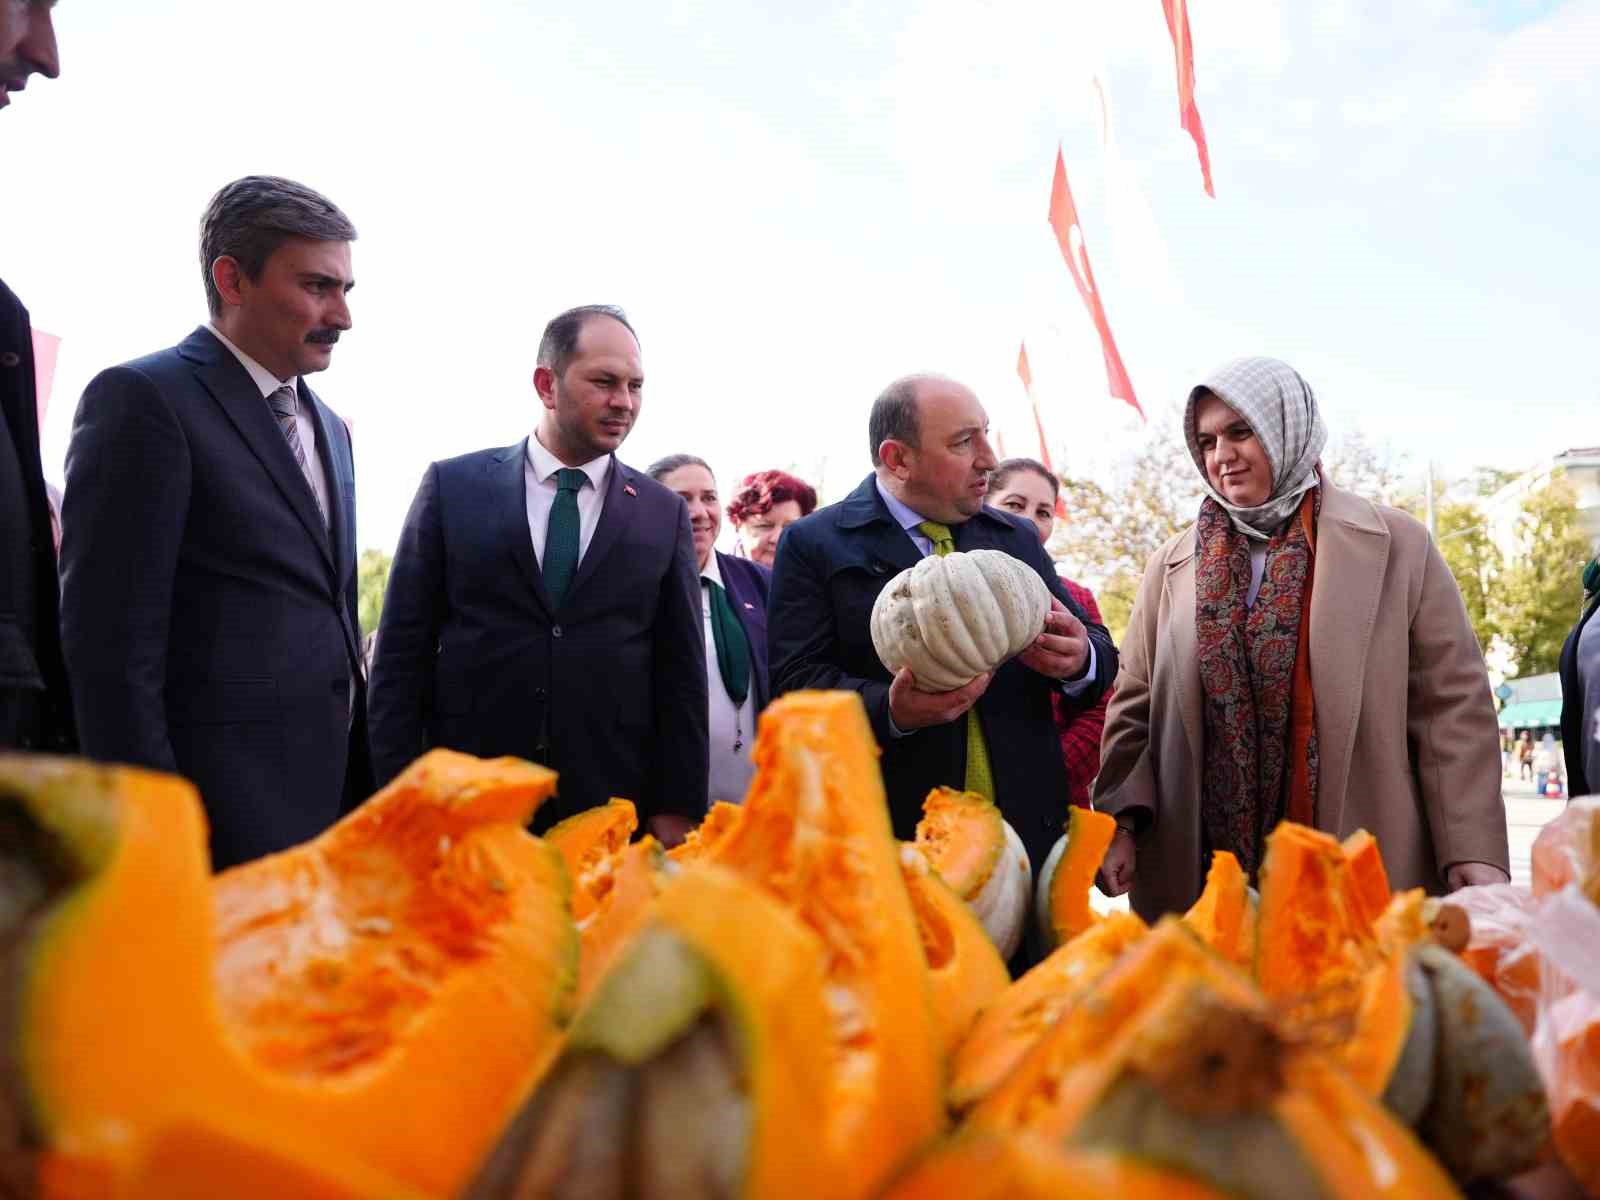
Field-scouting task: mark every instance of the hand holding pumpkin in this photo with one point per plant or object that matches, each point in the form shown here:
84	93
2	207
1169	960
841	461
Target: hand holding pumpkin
1062	648
911	709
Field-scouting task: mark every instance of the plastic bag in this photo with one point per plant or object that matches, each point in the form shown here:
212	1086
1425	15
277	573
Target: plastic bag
1566	1036
1567	850
1500	948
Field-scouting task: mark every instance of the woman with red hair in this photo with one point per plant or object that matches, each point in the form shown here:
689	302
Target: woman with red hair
766	504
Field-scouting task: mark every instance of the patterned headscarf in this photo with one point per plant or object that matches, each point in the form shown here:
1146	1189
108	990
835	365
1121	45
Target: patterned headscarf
1281	409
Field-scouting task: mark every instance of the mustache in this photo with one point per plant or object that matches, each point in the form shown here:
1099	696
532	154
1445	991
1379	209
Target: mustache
323	337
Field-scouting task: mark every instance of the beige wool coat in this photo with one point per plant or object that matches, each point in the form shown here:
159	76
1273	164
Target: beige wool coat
1410	748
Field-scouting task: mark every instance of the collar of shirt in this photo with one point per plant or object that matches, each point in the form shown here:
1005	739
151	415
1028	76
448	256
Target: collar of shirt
908	518
546	464
263	378
712	571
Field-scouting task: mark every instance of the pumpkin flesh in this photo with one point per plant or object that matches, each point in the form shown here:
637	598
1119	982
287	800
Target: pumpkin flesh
1368	876
380	994
586	839
976	851
617	891
1224	917
1068	874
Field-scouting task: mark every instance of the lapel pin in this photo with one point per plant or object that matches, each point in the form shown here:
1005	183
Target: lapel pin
627	490
750	606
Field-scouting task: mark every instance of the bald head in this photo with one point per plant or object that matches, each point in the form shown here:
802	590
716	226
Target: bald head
930	446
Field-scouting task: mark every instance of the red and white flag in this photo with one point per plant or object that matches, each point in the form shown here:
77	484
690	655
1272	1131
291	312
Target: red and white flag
1188	114
1064	220
1025	373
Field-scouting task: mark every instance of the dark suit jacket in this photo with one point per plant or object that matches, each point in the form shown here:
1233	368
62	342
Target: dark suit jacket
748	585
208	617
829	571
35	709
1575	722
609	690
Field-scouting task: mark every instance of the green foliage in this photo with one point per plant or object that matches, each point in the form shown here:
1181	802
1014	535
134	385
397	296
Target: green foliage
372	577
1537	597
1473	560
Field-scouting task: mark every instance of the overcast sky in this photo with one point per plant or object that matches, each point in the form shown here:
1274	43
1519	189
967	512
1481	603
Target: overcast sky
796	203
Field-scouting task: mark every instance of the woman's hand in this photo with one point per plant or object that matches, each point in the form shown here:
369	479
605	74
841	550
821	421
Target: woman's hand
1117	868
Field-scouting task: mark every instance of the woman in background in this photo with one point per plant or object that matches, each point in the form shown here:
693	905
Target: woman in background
766	504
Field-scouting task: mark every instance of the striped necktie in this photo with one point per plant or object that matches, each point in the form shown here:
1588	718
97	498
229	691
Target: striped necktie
979	777
285	407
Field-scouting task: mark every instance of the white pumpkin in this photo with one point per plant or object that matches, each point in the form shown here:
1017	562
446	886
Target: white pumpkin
951	619
1002	904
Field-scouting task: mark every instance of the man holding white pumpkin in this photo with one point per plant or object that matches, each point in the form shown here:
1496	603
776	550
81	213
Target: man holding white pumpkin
995	735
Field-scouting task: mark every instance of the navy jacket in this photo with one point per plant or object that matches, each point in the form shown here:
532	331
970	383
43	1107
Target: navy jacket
609	689
829	571
748	585
35	709
1576	724
208	614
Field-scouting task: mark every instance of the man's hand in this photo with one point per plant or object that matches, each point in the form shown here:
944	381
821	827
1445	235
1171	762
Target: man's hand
1062	648
1470	874
1116	870
910	709
670	828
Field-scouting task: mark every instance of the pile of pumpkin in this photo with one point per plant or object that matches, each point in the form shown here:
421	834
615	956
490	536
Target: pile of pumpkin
428	1001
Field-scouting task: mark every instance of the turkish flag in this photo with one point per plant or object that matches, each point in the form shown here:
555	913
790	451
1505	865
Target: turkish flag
1025	373
1183	50
1064	220
45	346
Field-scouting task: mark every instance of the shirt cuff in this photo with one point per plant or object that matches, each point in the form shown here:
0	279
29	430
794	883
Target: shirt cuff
894	730
1076	687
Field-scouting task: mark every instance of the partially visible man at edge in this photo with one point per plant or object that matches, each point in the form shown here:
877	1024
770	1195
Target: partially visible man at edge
544	601
931	461
35	706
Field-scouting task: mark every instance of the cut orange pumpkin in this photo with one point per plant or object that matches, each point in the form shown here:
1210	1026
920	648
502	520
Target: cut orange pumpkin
1068	874
814	832
1368	876
1224	917
379	995
977	852
718	821
965	969
693	1070
586	839
615	892
1008	1028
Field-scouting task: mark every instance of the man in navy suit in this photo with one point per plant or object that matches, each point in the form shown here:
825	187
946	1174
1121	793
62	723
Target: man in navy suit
931	459
208	553
544	602
733	601
35	709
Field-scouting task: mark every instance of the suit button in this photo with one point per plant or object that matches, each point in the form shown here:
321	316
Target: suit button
539	693
10	359
555	631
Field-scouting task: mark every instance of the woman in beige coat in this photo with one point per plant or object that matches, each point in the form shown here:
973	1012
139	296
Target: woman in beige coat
1299	653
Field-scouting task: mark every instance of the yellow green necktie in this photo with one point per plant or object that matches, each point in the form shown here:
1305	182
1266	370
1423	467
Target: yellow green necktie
979	778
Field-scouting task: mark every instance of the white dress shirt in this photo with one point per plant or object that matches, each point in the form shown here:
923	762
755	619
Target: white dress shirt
909	519
732	727
304	425
539	470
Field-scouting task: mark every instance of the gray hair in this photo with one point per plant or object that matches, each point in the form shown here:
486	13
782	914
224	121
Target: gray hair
894	415
559	344
663	467
251	217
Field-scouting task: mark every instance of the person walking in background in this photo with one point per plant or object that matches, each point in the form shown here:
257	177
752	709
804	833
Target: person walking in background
928	440
733	601
1028	489
1524	755
544	601
1298	653
208	538
766	504
1547	765
35	704
1580	692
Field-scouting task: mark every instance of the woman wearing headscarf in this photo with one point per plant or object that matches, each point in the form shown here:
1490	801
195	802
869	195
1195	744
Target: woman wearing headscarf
1298	653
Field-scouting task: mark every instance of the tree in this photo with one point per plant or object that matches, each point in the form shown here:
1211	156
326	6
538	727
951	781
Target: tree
1473	560
372	577
1110	533
1372	470
1539	592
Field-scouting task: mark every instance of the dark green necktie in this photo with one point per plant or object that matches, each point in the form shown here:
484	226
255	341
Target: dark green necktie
561	535
733	647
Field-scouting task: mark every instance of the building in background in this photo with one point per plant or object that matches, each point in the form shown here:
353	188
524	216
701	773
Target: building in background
1502	510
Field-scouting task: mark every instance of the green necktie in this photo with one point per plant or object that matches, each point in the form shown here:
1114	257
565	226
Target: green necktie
733	647
561	535
979	777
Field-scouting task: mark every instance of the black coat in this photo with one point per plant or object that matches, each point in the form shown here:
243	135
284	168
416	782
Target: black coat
35	708
609	689
1575	723
208	615
749	586
829	571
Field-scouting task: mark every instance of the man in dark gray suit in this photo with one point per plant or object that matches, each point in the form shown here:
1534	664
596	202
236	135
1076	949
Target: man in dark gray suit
208	561
545	601
35	711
